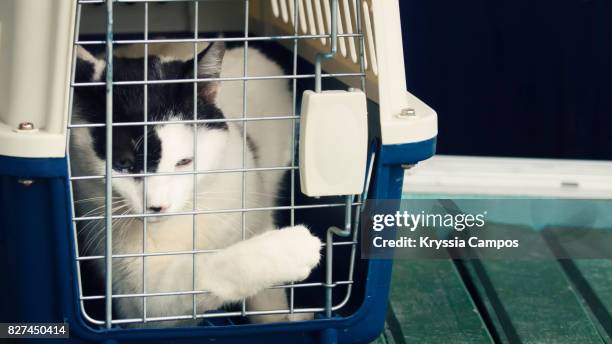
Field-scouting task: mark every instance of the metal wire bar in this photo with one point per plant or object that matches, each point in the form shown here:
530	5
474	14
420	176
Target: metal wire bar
245	68
205	315
237	78
196	10
208	315
199	121
146	155
77	26
361	39
293	135
109	165
214	39
236	170
198	292
349	199
158	254
329	253
221	211
180	253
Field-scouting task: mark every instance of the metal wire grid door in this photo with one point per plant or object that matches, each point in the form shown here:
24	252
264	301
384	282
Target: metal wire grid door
351	204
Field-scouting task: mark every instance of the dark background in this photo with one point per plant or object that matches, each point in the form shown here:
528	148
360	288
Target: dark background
524	78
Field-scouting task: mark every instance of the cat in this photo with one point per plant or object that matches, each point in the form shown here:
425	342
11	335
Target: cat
241	265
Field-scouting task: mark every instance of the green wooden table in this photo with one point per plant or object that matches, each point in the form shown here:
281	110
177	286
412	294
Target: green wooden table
501	301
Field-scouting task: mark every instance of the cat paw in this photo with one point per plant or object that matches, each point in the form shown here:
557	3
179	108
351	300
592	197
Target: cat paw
301	249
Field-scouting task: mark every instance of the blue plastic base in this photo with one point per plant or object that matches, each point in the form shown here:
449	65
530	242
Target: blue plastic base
408	153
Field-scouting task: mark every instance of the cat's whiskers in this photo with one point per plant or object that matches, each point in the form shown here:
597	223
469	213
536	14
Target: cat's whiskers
97	226
97	211
92	199
98	235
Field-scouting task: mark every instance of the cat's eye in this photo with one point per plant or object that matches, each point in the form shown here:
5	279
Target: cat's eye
184	162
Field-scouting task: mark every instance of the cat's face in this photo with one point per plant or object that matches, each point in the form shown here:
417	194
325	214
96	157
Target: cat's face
169	147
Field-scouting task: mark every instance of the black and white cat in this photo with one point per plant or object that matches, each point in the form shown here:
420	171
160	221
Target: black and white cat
240	268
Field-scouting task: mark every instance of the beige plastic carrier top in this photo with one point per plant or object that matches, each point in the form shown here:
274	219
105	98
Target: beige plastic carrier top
36	52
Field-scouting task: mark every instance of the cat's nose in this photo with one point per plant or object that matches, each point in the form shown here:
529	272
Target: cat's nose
158	209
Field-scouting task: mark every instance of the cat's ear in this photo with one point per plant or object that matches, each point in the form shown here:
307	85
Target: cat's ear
209	66
89	67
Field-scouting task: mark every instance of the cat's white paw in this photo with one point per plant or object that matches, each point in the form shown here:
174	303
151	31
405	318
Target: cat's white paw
301	249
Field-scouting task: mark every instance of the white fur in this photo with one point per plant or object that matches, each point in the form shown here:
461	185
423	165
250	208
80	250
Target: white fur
265	98
98	64
239	269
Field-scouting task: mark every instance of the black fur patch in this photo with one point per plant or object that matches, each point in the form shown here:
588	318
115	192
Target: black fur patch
163	101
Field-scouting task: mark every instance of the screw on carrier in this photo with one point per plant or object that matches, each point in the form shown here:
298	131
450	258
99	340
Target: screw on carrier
26	126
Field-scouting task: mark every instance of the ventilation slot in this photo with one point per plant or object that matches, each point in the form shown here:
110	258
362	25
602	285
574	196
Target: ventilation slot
369	37
283	10
314	18
302	12
348	20
275	10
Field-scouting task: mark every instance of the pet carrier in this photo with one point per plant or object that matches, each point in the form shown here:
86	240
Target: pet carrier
350	45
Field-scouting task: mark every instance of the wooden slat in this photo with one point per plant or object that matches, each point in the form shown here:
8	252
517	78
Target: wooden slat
590	277
430	305
529	300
